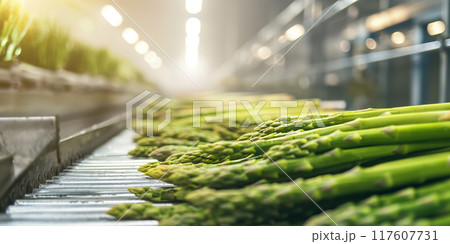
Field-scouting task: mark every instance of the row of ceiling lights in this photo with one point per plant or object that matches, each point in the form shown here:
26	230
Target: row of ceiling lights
114	18
193	29
375	22
398	37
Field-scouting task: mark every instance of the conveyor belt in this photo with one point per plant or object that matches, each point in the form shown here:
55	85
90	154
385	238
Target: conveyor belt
84	191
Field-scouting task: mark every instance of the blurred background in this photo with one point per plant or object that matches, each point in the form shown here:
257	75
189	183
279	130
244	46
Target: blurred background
81	57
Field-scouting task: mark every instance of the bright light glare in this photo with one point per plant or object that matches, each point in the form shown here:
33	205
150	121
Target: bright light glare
398	38
264	53
295	32
193	26
191	58
153	60
130	35
141	47
192	41
194	6
371	43
111	15
436	28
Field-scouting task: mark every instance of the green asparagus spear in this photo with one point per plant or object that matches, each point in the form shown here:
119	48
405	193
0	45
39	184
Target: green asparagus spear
142	151
383	136
160	141
159	195
164	152
190	214
226	150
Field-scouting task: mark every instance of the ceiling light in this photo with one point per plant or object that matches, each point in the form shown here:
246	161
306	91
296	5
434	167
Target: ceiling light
398	38
436	28
141	47
264	53
295	32
371	43
111	15
193	26
194	6
130	35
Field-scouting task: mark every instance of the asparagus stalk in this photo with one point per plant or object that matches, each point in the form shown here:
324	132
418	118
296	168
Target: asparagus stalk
265	202
190	134
226	150
158	169
183	214
158	141
174	194
286	124
289	149
142	151
383	136
164	152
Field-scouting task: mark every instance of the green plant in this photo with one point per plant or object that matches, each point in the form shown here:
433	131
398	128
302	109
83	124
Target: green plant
46	44
14	23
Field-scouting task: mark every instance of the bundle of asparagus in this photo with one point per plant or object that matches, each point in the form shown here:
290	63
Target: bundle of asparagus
231	123
247	173
266	203
281	126
248	182
220	151
182	132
